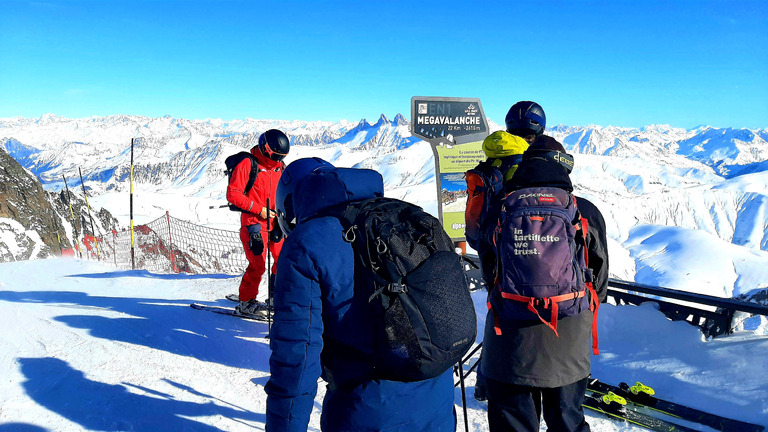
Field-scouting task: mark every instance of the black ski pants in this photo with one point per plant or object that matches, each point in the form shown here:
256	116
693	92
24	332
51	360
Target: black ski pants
519	408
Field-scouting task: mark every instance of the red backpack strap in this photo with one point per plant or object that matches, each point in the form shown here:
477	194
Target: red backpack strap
594	305
594	302
584	226
496	324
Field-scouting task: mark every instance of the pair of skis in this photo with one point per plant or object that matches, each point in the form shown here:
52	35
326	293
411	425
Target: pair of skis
231	311
611	408
632	403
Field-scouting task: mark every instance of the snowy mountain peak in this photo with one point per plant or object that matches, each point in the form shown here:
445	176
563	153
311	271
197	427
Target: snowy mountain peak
362	125
659	128
50	118
382	121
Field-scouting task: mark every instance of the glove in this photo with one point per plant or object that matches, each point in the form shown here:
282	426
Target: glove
276	234
255	242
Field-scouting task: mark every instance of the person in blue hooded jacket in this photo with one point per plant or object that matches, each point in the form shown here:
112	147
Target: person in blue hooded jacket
322	329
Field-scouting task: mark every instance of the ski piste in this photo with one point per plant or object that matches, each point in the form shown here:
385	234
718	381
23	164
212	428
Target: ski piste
673	409
623	413
227	311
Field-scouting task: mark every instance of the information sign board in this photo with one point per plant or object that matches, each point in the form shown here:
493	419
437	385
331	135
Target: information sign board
455	128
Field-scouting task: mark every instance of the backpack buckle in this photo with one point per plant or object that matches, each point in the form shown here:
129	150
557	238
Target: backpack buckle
397	288
349	234
381	247
542	303
393	288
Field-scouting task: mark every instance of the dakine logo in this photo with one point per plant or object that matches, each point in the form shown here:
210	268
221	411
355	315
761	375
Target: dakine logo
537	195
423	108
471	110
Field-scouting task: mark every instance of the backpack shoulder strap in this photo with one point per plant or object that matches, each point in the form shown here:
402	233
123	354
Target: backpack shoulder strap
253	174
353	232
483	166
594	301
346	213
508	161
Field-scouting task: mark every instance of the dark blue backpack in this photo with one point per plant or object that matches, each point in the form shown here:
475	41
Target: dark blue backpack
543	271
414	282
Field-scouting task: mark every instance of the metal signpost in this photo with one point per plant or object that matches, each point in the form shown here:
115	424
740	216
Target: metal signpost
455	128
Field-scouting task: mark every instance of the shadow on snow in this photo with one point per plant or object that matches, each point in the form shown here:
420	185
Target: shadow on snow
55	385
162	324
146	274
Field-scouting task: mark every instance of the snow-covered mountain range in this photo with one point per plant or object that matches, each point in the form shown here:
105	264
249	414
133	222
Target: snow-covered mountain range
668	194
178	148
166	148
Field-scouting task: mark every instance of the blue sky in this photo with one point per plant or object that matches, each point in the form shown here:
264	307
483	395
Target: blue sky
623	63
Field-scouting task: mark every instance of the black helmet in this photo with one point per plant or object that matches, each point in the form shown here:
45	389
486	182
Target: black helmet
526	118
274	144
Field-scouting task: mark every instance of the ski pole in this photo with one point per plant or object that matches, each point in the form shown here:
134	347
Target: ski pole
463	395
466	360
269	276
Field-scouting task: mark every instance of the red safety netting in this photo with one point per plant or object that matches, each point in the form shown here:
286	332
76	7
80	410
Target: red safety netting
170	245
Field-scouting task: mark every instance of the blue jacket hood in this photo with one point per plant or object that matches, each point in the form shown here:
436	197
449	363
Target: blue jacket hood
328	187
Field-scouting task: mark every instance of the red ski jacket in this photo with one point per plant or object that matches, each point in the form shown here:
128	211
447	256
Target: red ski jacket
263	187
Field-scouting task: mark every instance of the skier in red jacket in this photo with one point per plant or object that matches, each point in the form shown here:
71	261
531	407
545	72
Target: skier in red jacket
256	218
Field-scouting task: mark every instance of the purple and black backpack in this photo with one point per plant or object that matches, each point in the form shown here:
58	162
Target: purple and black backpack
542	260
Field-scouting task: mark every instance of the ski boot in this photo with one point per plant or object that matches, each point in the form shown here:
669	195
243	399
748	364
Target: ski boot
252	308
